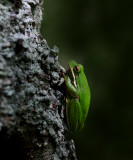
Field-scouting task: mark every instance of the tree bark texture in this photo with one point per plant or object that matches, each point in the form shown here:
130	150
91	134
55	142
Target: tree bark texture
32	103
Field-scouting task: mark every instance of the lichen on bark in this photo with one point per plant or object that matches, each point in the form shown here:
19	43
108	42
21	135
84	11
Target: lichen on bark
32	103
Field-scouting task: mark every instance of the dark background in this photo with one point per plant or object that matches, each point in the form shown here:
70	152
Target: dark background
99	35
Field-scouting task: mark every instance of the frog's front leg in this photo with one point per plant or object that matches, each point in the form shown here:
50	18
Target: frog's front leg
70	87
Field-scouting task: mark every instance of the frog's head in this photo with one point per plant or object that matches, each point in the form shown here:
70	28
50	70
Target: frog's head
74	70
75	67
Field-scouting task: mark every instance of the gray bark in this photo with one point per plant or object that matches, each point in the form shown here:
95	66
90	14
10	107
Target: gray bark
32	103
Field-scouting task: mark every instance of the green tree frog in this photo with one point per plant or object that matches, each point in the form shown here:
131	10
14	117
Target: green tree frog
78	96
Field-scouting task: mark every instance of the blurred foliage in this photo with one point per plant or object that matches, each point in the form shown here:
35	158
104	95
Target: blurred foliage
98	34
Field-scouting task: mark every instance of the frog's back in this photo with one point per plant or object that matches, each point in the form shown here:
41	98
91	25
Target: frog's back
84	97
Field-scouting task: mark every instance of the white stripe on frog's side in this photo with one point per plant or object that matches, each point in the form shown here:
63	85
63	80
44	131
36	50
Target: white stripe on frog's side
74	78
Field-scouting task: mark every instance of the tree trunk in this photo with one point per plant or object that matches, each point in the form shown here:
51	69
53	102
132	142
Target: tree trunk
32	103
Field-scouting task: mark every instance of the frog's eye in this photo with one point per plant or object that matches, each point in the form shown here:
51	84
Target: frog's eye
76	68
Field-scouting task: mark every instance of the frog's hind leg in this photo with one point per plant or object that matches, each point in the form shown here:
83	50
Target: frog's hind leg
73	113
